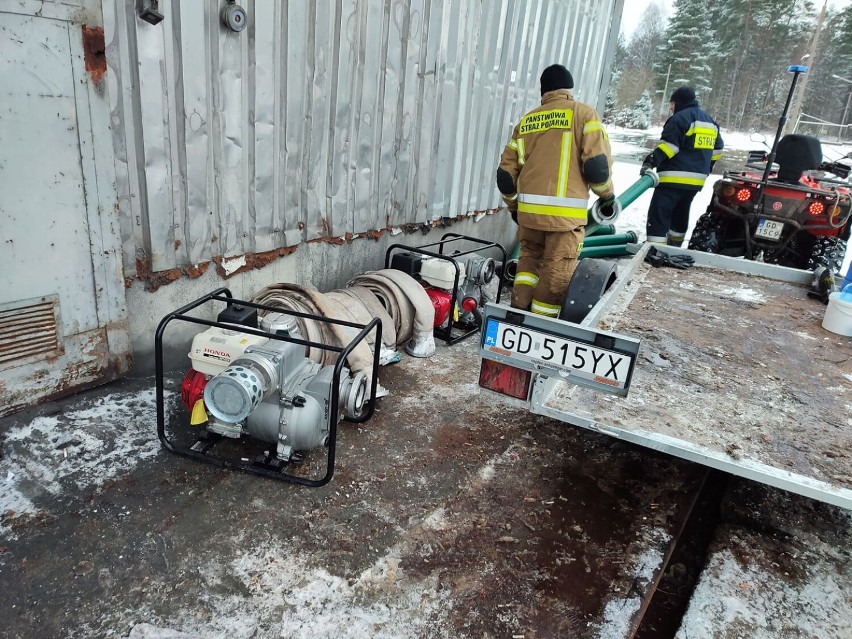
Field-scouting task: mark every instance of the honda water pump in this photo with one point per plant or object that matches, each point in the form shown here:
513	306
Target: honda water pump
244	384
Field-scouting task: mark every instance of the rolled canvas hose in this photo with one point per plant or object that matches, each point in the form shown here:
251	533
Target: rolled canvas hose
394	300
294	297
355	309
288	298
367	299
403	298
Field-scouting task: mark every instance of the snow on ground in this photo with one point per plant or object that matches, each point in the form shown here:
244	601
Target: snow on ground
737	598
628	149
86	447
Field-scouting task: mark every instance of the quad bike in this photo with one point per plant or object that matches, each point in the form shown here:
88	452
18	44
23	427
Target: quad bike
794	213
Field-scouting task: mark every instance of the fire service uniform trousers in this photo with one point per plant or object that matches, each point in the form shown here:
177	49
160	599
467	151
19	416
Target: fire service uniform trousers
668	215
546	263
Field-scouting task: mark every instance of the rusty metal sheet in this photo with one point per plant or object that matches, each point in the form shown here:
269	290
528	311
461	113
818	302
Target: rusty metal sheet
60	232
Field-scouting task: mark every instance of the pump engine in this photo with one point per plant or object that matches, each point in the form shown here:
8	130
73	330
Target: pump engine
243	384
438	277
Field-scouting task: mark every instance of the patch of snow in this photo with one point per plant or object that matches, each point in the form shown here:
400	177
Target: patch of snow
87	447
743	294
619	611
280	595
748	600
436	519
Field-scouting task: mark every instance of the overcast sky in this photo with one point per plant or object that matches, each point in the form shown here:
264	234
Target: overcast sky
633	10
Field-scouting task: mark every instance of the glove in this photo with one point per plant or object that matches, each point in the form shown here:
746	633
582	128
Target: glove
648	164
657	258
514	215
606	204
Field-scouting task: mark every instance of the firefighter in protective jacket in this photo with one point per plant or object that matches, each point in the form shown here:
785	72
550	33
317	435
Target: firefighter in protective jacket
558	151
689	146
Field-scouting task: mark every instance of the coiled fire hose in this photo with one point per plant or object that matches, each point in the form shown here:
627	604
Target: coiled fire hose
408	305
297	298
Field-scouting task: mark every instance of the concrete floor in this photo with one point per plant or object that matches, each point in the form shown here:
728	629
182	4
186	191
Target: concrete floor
448	516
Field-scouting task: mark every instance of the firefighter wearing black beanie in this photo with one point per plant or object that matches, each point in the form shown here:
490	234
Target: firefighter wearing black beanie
689	146
556	77
557	153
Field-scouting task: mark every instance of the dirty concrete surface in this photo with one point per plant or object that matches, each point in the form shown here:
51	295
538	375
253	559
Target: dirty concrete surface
449	515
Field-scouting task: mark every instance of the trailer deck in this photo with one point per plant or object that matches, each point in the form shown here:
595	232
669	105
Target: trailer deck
734	372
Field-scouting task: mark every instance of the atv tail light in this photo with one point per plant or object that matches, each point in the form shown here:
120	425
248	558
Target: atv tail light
743	195
505	379
816	208
728	190
834	213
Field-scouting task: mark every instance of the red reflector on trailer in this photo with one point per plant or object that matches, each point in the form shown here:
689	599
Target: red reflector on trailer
505	379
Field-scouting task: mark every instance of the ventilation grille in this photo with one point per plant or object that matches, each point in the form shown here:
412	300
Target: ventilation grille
28	331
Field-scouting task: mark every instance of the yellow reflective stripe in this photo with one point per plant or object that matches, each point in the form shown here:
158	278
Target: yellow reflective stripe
511	198
540	308
701	130
564	168
521	152
544	120
668	179
513	144
715	156
529	279
595	125
670	150
556	211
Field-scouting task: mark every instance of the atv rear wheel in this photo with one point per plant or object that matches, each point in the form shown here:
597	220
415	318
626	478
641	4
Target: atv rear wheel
827	252
709	233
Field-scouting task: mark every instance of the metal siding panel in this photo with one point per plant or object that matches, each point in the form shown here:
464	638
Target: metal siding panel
153	102
293	118
447	120
485	141
468	110
233	152
200	194
267	233
411	108
320	69
328	118
45	206
342	40
368	125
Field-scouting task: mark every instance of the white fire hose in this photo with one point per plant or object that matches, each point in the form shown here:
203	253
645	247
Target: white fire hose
408	305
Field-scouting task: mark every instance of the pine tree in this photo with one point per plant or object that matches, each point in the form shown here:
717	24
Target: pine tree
689	47
828	96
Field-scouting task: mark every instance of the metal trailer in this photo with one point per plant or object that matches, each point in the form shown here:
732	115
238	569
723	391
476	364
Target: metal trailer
725	364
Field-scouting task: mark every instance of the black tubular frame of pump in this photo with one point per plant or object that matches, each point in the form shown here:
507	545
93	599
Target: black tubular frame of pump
446	333
263	468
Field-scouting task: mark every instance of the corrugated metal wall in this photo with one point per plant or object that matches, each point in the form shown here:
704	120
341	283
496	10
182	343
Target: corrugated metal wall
325	117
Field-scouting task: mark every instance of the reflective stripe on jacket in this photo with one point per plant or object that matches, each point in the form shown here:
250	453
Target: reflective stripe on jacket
689	145
552	150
